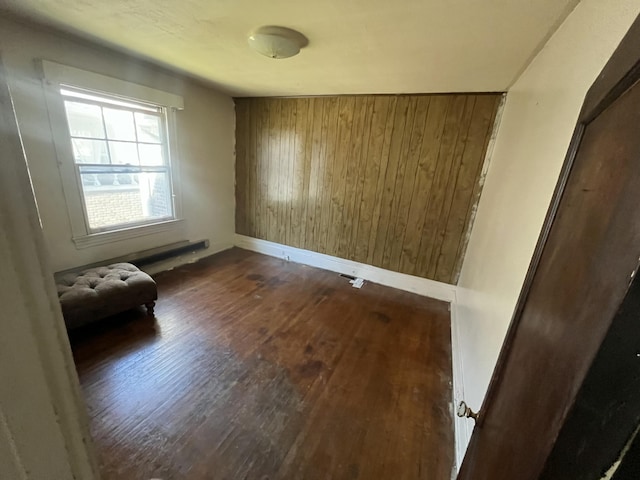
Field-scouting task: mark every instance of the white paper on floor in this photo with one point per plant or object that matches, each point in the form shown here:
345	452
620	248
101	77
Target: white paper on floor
357	282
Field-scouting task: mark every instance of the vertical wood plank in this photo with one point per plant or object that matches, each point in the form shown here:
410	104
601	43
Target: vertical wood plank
375	231
304	146
295	175
273	170
284	175
422	193
330	153
242	176
453	124
386	180
371	167
248	183
354	154
467	178
490	104
459	149
262	159
254	171
340	167
393	227
388	190
364	164
407	189
318	133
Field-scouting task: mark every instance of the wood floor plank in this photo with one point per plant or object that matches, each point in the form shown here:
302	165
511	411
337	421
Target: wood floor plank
256	368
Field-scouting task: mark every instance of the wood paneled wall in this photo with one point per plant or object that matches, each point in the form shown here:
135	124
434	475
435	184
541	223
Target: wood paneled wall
387	180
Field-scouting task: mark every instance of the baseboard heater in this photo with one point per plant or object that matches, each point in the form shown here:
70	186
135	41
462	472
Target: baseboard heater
147	257
170	251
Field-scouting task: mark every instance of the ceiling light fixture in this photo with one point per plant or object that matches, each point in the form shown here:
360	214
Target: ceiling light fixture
277	42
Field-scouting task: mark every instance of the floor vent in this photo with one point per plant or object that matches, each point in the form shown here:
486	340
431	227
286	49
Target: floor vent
347	276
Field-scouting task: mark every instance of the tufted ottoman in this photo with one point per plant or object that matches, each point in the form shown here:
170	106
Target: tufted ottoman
99	292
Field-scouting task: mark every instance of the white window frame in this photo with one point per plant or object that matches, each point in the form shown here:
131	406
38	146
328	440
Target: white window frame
57	76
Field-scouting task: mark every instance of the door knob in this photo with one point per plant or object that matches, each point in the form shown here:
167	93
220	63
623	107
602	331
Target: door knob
465	411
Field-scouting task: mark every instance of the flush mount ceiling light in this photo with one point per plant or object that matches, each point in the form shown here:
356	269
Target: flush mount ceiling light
277	42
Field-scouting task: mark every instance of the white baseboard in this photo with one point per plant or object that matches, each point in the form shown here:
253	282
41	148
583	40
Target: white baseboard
401	281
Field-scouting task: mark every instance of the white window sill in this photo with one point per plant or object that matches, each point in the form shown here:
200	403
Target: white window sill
102	238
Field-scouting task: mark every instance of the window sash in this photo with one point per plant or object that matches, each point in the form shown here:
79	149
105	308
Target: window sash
108	147
81	137
161	114
98	169
101	100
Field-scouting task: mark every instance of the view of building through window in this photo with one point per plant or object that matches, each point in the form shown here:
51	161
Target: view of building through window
121	158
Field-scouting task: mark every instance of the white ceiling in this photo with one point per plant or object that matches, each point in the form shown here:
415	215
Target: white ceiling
355	46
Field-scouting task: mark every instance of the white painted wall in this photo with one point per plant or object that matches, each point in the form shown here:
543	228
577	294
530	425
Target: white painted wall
205	144
43	423
538	120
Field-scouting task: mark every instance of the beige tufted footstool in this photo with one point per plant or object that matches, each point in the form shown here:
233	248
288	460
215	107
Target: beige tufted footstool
99	292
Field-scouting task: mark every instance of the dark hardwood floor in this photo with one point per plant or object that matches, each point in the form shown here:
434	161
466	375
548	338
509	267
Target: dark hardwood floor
255	368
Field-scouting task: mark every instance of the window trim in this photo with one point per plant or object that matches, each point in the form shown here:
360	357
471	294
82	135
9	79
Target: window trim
102	238
56	76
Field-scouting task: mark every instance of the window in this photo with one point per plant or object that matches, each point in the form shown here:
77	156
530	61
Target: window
120	156
115	143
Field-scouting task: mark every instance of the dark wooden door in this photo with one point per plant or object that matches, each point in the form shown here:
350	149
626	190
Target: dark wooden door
581	272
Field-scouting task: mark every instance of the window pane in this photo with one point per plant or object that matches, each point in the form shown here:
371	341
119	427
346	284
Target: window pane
119	124
123	153
142	197
149	128
156	193
150	154
89	151
84	120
